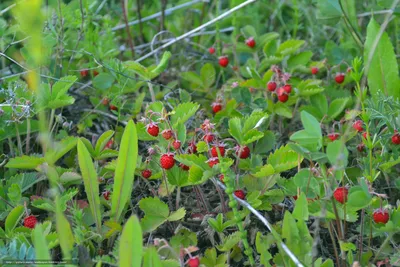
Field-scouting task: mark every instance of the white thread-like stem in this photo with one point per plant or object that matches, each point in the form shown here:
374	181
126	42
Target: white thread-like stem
227	13
266	223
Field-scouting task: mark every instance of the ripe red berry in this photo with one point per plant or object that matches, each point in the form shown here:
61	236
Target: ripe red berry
109	144
167	161
360	147
314	70
208	138
358	125
112	107
251	42
176	144
84	72
221	178
216	107
214	151
339	78
240	194
167	134
95	73
105	101
106	195
396	138
282	95
287	88
223	61
381	216
192	148
365	135
212	161
244	153
271	85
146	173
340	194
152	129
211	50
194	262
333	136
30	222
184	167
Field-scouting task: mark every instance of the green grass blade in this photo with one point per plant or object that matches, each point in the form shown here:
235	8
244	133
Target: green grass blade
125	170
41	249
130	245
90	181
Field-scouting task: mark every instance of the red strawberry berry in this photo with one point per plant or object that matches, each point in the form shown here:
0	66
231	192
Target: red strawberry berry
287	88
396	138
240	194
208	138
221	178
214	151
167	161
282	95
271	85
30	222
339	78
340	194
109	144
167	134
112	107
194	262
314	70
146	174
333	136
105	101
176	144
365	135
358	125
361	147
244	153
251	42
106	195
84	73
152	129
192	148
184	167
223	61
212	161
216	107
381	216
211	50
95	73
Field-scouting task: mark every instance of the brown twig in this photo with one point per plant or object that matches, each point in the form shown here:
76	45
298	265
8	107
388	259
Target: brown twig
130	40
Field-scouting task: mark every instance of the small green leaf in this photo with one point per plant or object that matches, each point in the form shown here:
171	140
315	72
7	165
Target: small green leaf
289	47
103	81
235	129
156	213
130	244
42	252
337	106
337	154
25	162
103	140
177	215
183	112
300	211
13	218
64	232
208	75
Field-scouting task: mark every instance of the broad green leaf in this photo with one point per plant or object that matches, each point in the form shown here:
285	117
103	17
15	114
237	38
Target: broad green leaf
329	10
289	229
64	232
208	75
177	215
252	136
130	244
192	77
60	149
300	211
284	159
14	193
195	174
103	81
383	74
230	241
320	102
337	154
358	198
289	47
177	177
311	125
283	110
151	258
13	218
255	120
183	112
25	162
337	106
125	171
264	171
90	181
156	213
61	87
300	59
39	242
235	129
103	140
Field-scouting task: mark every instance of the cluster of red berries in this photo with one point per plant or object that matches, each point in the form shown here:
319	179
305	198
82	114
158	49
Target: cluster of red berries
280	78
106	102
339	77
358	126
85	72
